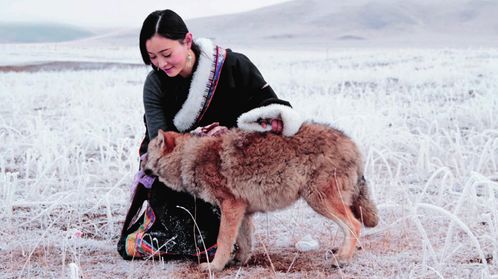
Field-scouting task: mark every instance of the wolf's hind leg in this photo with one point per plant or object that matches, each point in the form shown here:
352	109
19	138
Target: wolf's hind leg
244	240
232	214
330	205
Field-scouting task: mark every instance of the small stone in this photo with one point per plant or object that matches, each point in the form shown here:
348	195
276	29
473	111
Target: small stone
307	243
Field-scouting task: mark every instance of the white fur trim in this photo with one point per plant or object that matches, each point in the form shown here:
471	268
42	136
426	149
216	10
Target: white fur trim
292	121
186	116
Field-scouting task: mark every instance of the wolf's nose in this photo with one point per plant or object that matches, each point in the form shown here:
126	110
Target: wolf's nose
148	172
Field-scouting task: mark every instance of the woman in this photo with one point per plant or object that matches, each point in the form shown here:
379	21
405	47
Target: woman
193	84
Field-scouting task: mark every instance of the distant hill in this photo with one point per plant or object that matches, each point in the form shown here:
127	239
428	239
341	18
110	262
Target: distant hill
356	22
40	32
425	23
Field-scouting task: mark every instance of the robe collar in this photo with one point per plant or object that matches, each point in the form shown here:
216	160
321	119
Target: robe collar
203	85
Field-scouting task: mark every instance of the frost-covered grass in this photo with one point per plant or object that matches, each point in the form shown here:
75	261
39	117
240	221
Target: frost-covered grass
426	121
69	51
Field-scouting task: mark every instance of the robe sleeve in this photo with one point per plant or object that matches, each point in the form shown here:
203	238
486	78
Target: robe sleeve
262	102
154	105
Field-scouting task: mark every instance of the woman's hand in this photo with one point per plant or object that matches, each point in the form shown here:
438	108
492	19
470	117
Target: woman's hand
276	125
211	130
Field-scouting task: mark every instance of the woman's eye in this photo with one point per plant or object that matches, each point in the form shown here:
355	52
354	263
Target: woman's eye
166	56
152	58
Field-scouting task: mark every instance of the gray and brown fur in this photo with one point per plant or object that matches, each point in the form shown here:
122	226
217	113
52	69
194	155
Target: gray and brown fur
248	172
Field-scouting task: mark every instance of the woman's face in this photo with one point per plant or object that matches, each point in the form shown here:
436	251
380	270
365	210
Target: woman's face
170	55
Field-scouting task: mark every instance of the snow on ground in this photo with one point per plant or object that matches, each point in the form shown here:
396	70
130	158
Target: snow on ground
425	121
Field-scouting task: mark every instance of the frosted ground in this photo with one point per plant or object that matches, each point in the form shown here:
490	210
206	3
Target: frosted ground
425	119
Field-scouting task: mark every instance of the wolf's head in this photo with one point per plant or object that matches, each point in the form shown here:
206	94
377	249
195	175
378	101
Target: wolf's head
162	160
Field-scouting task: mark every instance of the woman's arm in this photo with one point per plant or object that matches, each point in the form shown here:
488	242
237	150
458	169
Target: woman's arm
154	104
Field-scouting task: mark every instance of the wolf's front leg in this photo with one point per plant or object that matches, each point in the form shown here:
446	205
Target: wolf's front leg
232	213
244	240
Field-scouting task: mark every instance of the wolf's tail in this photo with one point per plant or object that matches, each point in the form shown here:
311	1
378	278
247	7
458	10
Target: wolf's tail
363	208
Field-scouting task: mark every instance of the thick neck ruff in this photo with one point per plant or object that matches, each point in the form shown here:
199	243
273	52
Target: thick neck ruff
203	86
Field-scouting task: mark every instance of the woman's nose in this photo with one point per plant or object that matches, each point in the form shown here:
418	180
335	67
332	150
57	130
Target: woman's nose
162	62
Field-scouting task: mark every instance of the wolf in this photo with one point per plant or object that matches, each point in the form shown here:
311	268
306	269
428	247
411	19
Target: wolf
247	172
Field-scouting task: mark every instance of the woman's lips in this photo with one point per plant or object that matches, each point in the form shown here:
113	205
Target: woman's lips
167	70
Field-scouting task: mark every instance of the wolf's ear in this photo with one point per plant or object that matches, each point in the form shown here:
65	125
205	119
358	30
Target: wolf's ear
167	141
160	136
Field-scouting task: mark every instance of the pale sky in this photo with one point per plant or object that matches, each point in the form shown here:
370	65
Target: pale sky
116	13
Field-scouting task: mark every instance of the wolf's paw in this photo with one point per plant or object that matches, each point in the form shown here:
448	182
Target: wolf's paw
204	267
242	257
210	267
339	261
337	265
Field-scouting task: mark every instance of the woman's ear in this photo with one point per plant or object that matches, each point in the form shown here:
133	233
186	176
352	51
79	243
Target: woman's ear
188	40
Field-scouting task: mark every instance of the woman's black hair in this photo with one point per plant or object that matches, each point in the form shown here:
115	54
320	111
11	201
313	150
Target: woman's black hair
167	24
